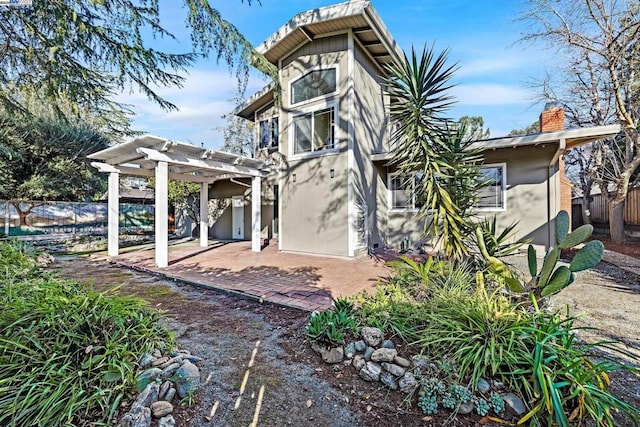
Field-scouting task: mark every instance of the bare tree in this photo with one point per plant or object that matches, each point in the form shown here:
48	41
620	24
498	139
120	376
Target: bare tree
597	41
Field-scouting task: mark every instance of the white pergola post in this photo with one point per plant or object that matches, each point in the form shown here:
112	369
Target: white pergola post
7	219
113	214
204	214
255	214
162	214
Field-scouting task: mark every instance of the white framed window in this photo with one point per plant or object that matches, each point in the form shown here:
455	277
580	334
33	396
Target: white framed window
402	192
268	132
314	84
314	131
493	196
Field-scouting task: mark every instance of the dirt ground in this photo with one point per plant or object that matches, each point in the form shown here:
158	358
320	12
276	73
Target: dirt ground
295	386
631	247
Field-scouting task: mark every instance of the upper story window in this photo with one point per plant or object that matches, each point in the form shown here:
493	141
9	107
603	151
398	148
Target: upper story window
493	196
313	85
269	133
314	131
402	189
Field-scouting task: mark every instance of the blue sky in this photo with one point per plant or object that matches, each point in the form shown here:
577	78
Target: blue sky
494	79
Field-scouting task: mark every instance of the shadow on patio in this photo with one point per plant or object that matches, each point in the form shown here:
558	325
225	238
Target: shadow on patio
303	281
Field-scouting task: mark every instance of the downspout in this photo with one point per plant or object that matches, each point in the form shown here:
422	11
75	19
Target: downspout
562	147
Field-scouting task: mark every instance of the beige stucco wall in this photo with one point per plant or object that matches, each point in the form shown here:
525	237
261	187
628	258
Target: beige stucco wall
527	203
527	190
226	189
313	210
370	135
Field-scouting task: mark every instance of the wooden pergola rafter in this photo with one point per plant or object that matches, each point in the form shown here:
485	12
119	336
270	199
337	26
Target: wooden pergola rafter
164	159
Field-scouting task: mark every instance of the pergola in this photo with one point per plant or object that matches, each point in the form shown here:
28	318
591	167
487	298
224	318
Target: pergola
153	156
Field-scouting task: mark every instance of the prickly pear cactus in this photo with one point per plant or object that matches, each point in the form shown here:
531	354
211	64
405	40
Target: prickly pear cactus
552	279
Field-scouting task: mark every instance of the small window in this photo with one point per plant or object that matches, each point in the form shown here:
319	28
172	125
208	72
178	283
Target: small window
312	85
493	195
269	133
313	131
403	192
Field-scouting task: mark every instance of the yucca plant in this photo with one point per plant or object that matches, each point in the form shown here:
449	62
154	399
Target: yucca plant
427	143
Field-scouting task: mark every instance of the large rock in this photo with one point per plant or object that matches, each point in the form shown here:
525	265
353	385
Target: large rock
396	370
139	416
389	380
146	360
420	361
350	350
371	372
148	396
167	421
384	355
368	352
164	388
372	336
160	361
387	344
360	345
170	394
514	403
161	408
333	355
466	408
483	386
401	361
359	362
187	379
408	382
146	377
170	370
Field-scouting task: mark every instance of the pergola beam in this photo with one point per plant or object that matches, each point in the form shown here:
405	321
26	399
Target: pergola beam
124	170
213	165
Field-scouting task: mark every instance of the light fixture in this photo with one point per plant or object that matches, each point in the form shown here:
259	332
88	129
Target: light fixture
332	173
294	177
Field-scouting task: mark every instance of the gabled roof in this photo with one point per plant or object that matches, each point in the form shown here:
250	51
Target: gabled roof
359	16
187	162
572	138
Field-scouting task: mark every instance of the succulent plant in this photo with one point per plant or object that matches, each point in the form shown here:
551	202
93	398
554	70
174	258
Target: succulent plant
552	279
497	403
482	406
428	403
449	401
462	393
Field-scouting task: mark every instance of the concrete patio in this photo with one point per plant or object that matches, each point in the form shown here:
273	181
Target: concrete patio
308	282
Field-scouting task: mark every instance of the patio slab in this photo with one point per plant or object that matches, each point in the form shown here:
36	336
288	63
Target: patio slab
307	282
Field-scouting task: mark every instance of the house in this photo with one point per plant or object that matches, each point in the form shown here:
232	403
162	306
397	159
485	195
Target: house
335	192
322	181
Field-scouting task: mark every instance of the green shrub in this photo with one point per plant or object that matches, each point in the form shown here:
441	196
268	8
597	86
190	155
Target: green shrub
391	308
562	378
331	327
67	355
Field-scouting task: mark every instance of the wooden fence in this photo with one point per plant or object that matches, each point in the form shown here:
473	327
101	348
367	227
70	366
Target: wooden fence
599	208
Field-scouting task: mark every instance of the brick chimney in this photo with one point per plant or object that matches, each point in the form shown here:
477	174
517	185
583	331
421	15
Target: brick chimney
552	118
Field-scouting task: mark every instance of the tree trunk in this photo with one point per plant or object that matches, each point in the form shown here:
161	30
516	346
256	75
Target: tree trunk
23	218
586	210
616	220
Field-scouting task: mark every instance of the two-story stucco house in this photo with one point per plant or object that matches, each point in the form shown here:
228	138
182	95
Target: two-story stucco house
333	191
322	181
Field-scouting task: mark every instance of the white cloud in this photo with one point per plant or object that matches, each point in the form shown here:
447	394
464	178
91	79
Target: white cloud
487	66
490	94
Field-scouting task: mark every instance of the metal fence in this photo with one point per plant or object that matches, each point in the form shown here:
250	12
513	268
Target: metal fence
74	217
